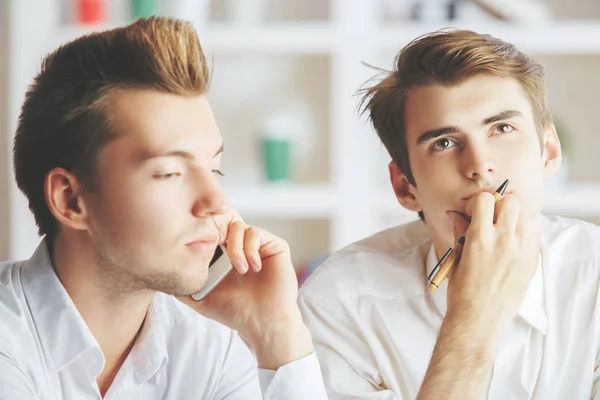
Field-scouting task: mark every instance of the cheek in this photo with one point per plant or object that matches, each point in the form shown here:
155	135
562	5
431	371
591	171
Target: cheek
429	169
436	176
525	164
141	210
437	181
526	172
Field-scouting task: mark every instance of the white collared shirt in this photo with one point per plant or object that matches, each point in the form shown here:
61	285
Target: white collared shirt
375	323
47	352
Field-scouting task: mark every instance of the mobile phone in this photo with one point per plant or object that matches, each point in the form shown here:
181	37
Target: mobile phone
219	267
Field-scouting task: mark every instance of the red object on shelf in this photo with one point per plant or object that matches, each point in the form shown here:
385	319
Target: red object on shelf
91	11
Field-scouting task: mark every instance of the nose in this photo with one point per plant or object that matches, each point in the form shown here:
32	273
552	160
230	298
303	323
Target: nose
478	162
210	199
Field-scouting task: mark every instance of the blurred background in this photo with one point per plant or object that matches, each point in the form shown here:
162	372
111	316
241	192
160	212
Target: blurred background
299	161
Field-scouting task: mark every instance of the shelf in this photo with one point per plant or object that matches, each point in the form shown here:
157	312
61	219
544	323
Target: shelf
555	37
320	37
575	200
292	38
283	200
280	38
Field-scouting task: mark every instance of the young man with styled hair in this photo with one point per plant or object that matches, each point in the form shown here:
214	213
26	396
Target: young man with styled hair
118	153
518	318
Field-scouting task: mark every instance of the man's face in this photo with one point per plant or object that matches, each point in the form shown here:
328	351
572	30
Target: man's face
152	221
471	137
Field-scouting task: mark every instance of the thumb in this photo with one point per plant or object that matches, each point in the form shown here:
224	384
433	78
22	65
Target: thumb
459	225
459	228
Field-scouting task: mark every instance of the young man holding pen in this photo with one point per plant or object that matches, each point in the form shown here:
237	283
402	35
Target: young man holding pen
518	317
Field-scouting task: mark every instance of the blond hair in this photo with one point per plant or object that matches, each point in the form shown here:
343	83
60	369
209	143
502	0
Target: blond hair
65	118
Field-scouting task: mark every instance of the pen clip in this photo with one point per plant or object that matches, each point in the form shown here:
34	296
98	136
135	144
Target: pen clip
439	263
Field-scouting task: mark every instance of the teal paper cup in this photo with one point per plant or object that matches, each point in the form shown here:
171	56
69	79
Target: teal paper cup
144	8
276	159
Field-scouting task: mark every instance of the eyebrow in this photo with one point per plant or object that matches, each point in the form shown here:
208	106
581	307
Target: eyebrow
434	133
508	114
175	153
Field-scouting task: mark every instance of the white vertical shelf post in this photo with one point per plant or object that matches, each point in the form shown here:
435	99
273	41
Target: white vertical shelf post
350	174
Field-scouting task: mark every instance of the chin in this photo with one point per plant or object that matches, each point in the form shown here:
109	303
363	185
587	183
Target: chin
182	288
182	282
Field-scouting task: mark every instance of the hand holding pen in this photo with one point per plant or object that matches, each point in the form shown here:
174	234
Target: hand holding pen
452	257
501	254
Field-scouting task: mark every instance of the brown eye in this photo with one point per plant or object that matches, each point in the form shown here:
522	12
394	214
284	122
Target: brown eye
442	144
504	128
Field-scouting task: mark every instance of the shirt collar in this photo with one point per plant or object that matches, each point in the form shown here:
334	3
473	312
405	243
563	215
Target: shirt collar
533	308
63	334
149	354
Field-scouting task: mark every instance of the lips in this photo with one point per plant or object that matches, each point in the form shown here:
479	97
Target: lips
488	189
480	190
464	214
203	246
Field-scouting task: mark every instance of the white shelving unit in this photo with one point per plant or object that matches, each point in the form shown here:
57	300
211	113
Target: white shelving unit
276	38
560	37
350	199
287	201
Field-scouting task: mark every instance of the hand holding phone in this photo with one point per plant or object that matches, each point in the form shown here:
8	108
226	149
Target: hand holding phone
258	299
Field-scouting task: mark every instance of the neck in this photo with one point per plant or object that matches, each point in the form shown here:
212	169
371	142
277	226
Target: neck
113	314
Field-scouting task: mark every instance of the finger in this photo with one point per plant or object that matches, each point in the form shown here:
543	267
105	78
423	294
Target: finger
235	246
459	251
506	213
225	219
482	218
271	245
235	216
252	242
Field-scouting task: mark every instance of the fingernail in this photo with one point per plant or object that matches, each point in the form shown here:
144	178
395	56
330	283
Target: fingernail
255	267
244	267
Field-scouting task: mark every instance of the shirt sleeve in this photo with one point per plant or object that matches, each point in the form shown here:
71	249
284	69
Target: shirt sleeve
349	367
300	379
14	383
241	379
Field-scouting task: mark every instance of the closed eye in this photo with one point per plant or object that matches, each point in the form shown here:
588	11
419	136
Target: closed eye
167	176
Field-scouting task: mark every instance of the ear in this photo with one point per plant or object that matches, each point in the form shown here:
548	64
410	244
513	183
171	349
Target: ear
403	188
551	151
64	197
